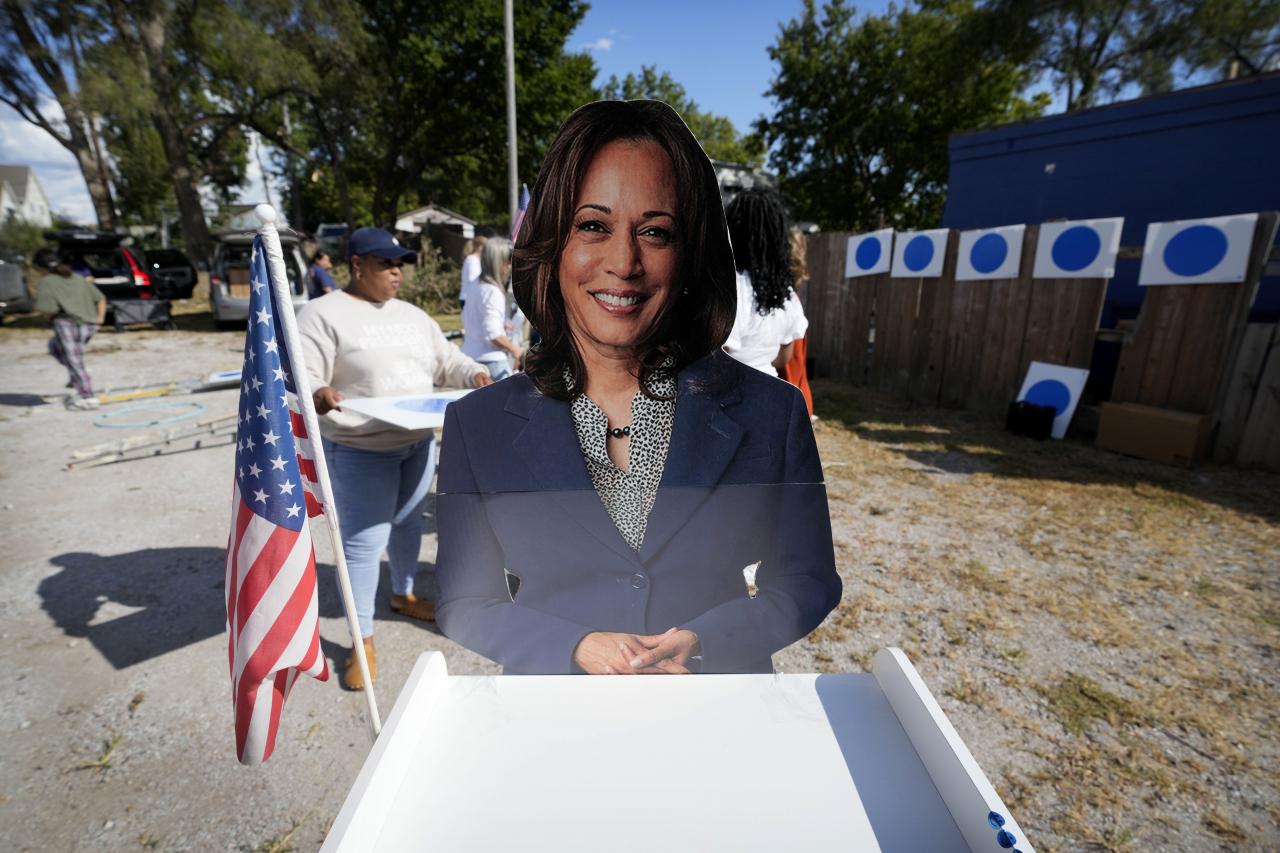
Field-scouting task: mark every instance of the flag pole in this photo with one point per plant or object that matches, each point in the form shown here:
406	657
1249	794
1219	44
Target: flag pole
513	171
284	302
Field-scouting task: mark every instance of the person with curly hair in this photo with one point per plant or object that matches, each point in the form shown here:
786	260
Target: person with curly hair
769	319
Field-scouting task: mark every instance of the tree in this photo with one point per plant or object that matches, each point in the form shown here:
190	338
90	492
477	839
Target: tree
203	72
717	135
865	108
1237	37
1096	48
41	52
410	102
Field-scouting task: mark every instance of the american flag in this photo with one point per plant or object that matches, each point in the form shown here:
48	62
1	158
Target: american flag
520	211
272	614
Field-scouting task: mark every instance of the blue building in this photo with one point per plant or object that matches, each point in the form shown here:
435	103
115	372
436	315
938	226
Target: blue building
1209	151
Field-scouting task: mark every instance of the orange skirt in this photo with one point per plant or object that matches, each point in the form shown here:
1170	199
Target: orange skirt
793	371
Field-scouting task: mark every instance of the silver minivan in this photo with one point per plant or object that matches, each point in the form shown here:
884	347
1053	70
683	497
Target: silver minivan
229	279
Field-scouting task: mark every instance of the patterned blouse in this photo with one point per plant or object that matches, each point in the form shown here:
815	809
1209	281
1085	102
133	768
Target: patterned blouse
628	495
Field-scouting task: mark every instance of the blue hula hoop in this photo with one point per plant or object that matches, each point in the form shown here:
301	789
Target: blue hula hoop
99	420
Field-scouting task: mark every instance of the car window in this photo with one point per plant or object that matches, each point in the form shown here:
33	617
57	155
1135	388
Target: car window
237	257
100	264
166	258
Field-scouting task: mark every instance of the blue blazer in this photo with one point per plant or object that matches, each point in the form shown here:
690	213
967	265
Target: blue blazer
742	485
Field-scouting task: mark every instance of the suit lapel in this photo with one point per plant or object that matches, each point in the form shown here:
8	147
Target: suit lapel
703	442
548	446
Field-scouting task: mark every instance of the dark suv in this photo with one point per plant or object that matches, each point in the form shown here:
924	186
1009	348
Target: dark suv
126	272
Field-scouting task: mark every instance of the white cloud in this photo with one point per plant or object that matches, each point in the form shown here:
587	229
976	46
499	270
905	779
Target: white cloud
24	144
600	44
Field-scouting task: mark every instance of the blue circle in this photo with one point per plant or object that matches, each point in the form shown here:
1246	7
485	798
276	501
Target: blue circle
426	405
988	253
1049	392
1076	248
1006	839
918	254
868	253
995	819
1195	250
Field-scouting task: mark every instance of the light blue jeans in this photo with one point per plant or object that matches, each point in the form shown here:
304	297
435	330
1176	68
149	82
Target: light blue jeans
498	369
380	495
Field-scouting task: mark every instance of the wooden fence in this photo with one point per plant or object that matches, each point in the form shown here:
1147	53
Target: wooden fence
942	342
967	344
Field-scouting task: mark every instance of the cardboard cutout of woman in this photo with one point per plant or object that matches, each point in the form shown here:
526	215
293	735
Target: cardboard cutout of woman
597	512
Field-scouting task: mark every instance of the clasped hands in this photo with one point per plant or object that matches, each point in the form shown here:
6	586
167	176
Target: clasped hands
609	653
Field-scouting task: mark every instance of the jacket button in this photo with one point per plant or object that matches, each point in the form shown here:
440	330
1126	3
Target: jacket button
639	581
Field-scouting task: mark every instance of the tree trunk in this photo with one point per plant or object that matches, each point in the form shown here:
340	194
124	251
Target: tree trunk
95	180
76	140
339	176
143	27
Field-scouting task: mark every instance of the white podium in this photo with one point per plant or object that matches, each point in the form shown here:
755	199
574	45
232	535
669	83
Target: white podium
742	763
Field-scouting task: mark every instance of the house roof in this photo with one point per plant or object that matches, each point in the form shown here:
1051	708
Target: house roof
18	178
435	213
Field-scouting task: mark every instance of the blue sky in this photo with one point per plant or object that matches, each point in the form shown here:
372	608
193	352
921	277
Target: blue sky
716	49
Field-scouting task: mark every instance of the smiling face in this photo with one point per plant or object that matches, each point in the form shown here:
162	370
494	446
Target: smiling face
618	270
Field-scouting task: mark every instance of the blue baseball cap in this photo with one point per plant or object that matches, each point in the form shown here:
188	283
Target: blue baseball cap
375	241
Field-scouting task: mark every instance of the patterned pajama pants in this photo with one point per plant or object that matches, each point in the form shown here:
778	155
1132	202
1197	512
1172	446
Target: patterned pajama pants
67	346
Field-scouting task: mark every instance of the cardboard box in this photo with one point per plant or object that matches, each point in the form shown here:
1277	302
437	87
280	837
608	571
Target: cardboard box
1163	435
238	291
238	276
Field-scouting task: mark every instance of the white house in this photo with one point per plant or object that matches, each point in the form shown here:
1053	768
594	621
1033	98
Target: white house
416	221
30	202
8	204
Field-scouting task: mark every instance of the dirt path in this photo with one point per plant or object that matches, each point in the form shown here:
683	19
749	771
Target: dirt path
1101	631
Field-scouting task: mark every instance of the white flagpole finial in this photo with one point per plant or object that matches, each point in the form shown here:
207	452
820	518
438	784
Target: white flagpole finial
265	213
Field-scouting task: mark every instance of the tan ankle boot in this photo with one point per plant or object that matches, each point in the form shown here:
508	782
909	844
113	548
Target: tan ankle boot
351	676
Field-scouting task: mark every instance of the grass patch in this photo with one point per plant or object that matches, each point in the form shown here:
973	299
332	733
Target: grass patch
1264	619
148	841
971	691
1077	699
137	700
975	575
284	843
1224	827
103	761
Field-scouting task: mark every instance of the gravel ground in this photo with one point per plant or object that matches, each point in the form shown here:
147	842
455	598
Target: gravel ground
1102	631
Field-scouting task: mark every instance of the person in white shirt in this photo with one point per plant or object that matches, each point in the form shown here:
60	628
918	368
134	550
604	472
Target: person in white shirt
363	342
770	319
471	267
486	320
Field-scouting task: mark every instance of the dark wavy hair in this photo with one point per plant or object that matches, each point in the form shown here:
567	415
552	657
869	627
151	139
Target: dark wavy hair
700	318
762	245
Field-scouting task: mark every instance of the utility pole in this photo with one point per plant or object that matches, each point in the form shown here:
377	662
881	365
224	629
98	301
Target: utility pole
513	173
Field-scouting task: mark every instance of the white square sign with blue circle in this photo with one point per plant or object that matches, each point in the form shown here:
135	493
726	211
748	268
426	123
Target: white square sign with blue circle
869	254
1083	248
919	254
990	253
1198	251
1057	386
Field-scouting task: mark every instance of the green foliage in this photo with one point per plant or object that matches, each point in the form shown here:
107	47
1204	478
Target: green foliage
409	100
717	135
434	284
19	237
1243	35
865	107
1095	48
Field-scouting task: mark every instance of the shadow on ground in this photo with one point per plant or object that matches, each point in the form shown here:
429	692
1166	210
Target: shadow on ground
958	443
141	605
137	606
21	400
